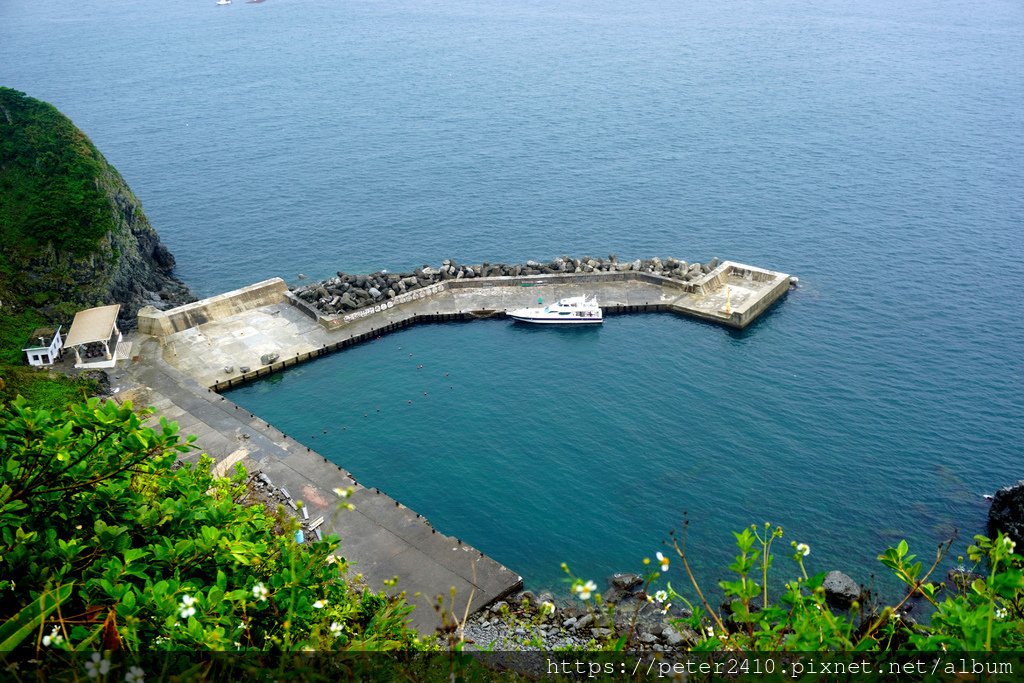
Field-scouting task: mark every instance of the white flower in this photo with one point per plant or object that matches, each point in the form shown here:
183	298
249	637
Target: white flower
319	604
336	629
260	592
343	493
1009	543
1001	613
710	631
666	608
186	607
661	596
547	607
99	666
54	638
584	590
663	560
135	675
803	549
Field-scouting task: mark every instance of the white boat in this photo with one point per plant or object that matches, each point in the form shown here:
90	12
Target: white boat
575	310
223	2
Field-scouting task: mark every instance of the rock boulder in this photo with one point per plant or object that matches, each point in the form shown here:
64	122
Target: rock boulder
1007	513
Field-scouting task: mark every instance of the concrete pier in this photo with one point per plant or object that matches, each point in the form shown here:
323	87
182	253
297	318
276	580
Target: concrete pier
186	355
381	538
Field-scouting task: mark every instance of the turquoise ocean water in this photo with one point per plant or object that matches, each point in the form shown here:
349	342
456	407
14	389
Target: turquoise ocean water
874	149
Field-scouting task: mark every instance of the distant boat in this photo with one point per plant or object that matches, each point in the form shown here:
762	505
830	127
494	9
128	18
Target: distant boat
576	310
223	2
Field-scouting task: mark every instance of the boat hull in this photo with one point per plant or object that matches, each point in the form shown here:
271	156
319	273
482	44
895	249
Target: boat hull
554	321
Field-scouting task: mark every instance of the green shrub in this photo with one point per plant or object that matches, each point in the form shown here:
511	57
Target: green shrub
131	551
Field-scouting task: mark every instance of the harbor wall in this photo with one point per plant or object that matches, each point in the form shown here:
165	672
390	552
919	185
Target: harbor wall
162	323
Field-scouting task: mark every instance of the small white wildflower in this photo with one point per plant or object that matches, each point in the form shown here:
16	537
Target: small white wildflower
1001	613
54	638
260	592
803	549
661	596
99	666
319	604
710	630
650	598
135	675
336	629
666	608
547	607
1009	543
663	560
584	590
187	607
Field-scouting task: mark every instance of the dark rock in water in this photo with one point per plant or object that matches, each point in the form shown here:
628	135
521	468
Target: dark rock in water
840	589
1007	513
961	579
163	257
625	582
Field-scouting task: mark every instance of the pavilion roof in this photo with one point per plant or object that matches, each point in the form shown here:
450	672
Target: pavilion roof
93	325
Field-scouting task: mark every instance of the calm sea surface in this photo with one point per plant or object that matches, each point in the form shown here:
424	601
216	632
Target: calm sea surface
874	149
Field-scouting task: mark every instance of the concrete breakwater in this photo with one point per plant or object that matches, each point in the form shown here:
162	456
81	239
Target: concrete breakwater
251	332
188	354
349	292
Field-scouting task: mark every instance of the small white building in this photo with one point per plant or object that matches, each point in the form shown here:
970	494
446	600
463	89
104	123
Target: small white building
45	346
94	337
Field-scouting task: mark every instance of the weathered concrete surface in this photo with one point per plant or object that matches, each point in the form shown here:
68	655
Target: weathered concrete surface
381	537
163	323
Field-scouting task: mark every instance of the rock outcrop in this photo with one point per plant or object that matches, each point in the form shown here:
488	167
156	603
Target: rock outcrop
840	589
73	233
1007	513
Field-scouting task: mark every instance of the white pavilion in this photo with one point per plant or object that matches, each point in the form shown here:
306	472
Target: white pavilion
94	337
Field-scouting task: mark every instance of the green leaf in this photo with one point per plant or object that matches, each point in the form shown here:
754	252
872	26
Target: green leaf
30	618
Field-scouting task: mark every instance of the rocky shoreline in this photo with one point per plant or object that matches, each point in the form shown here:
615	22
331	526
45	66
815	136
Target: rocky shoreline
347	292
530	622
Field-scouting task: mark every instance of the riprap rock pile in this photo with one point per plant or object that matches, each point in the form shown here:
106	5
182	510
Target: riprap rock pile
347	292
